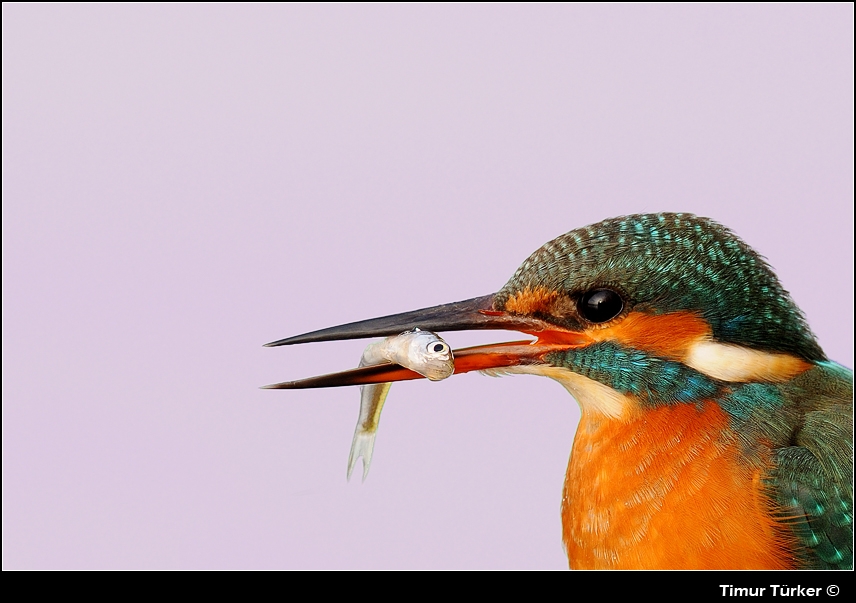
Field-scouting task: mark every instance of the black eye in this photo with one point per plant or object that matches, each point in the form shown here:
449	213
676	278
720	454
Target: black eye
601	305
438	347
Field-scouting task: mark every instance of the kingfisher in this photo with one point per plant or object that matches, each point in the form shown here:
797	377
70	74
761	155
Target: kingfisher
714	431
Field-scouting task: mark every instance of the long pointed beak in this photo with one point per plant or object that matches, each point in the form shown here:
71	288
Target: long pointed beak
472	314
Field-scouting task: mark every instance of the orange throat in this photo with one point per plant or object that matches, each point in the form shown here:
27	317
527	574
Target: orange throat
667	488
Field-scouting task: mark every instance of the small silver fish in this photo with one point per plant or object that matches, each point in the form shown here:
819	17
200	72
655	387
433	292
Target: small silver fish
421	351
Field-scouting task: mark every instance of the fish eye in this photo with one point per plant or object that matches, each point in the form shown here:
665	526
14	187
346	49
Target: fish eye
600	305
438	347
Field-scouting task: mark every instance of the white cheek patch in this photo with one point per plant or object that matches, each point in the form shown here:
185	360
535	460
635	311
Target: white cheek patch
728	362
592	396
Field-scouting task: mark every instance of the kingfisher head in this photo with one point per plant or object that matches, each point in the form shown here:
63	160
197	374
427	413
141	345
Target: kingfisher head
707	440
665	307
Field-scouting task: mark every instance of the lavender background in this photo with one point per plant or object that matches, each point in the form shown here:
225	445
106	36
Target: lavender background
182	184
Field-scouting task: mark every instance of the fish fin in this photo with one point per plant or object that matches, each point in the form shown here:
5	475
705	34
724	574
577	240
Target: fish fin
362	446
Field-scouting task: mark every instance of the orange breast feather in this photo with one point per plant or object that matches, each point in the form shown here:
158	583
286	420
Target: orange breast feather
668	489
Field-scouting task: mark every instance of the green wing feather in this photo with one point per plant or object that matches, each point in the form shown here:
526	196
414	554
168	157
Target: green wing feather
813	479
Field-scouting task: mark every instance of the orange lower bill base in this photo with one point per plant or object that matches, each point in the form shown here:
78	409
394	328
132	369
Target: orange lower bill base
477	358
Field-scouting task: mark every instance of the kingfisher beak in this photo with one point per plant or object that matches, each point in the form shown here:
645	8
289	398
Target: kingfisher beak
472	314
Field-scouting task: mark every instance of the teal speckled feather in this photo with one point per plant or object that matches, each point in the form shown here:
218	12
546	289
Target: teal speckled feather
813	479
667	262
654	380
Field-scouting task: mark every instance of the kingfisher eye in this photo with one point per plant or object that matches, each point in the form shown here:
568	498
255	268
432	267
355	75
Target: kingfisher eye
600	305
